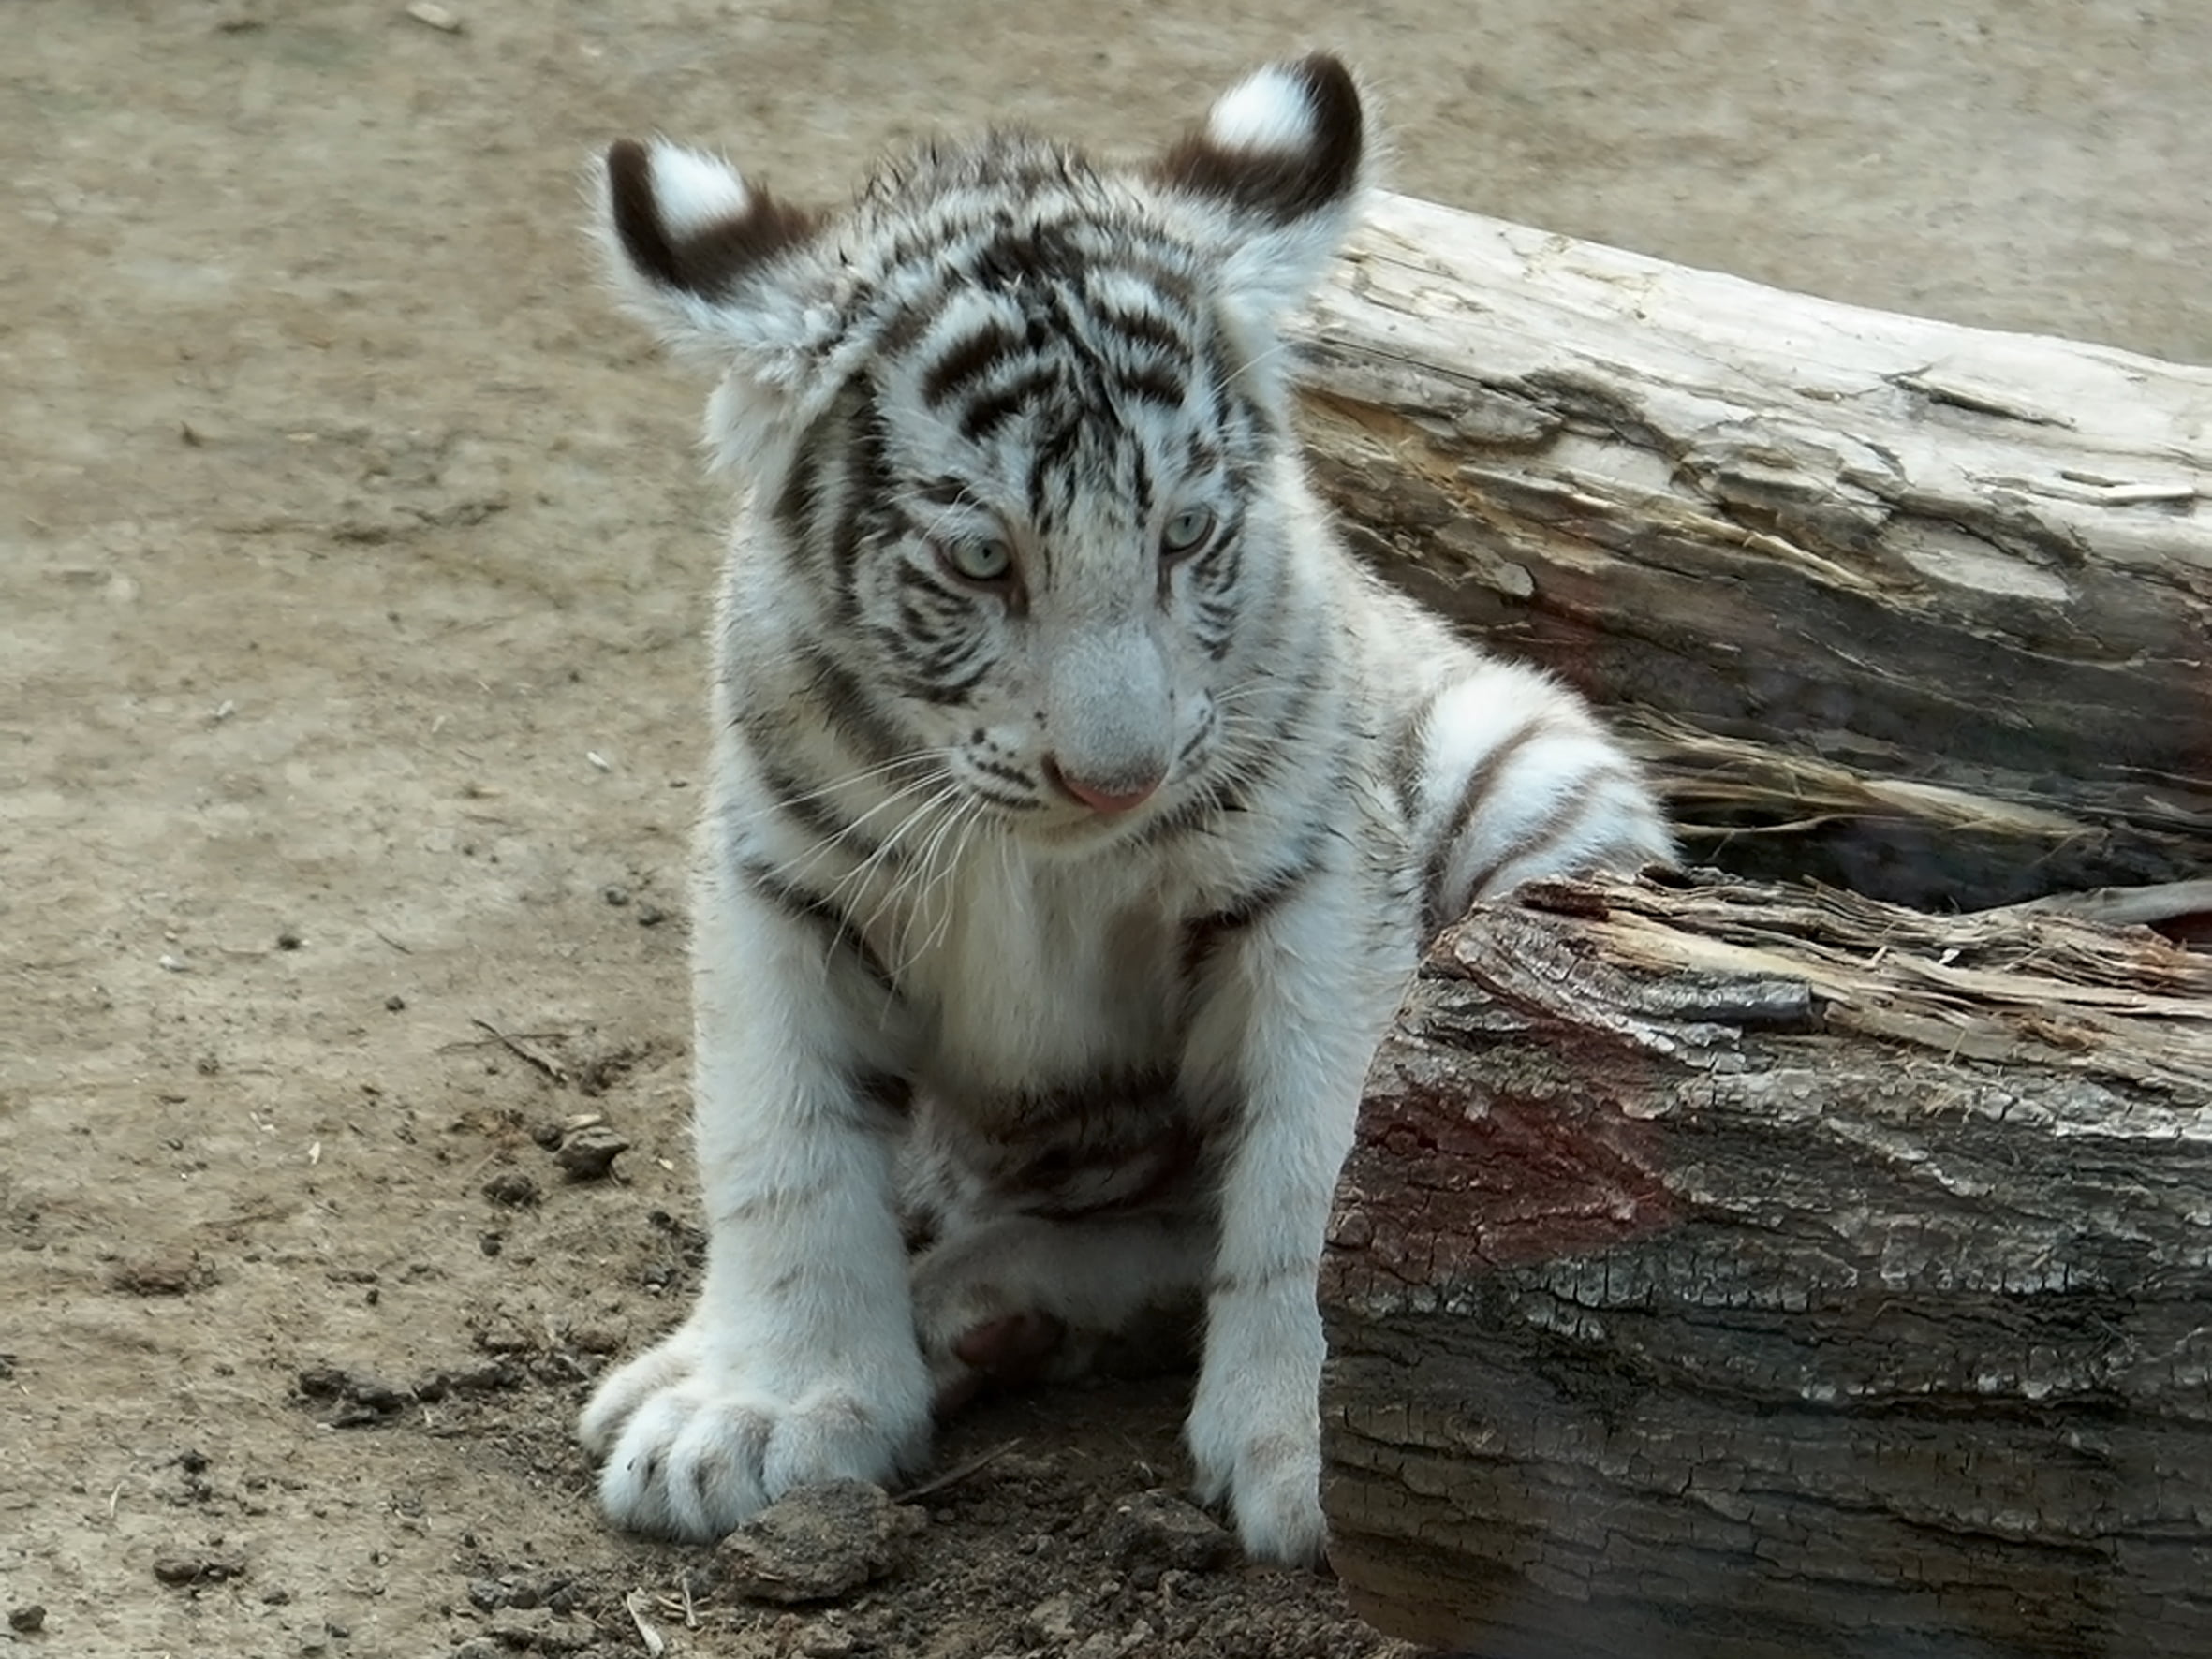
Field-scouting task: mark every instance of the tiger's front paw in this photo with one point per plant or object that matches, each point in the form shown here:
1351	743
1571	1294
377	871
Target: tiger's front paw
697	1440
1270	1472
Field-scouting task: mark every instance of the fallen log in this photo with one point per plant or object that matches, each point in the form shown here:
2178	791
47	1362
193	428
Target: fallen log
1918	609
1741	1271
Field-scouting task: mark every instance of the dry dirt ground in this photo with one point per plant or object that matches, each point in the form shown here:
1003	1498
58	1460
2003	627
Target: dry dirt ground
351	558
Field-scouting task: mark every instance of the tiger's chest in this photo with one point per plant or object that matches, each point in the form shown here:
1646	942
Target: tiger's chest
1047	1045
1037	978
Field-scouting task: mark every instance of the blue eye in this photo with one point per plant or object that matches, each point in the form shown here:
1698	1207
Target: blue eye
1185	529
982	559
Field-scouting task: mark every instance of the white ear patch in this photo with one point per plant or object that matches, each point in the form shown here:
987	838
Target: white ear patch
1268	109
693	189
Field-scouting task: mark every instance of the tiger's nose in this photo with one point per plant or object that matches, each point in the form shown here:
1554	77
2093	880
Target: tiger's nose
1117	795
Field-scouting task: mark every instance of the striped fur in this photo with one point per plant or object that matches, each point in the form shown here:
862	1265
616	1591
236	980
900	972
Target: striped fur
1079	804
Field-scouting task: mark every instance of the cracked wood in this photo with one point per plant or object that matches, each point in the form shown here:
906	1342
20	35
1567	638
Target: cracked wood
1763	1271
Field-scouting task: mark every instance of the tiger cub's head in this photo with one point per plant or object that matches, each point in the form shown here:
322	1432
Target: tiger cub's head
1015	425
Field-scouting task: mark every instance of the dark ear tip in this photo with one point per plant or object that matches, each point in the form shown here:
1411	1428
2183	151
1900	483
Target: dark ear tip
1325	73
629	169
637	216
1335	94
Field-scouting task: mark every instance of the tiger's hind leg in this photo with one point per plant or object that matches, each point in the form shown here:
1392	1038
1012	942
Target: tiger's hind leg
1016	1299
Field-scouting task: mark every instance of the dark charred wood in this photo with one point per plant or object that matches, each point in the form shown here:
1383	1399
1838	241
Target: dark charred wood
1749	1273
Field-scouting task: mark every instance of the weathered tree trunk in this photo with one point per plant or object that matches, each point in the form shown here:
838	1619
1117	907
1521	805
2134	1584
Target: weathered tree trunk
1920	608
1754	1273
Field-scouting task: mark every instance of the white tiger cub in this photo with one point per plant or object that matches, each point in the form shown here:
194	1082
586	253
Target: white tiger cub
1079	805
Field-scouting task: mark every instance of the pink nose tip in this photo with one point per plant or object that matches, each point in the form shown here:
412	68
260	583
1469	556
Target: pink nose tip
1103	800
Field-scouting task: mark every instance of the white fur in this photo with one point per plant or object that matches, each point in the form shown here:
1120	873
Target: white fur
693	189
1266	110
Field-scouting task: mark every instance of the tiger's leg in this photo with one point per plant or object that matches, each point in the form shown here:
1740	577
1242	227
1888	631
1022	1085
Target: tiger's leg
799	1362
1013	1298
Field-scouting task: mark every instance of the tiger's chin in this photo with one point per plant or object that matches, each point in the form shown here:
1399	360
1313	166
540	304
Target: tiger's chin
1077	831
1071	830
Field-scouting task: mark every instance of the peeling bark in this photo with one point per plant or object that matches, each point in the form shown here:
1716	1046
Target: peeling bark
1919	608
1748	1272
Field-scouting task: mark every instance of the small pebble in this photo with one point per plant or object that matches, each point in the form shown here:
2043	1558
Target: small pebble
651	915
816	1543
588	1153
27	1619
434	16
1157	1531
177	1273
616	896
394	1003
290	940
512	1189
197	1566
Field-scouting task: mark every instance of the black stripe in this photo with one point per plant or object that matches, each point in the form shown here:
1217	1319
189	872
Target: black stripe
994	408
1553	827
1007	774
943	689
1050	453
817	911
1024	253
946	491
867	489
814	814
800	498
968	361
1012	804
1408	752
1478	784
1202	936
1140	482
1140	328
881	1088
1151	384
1196	740
1211	801
1163	279
855	718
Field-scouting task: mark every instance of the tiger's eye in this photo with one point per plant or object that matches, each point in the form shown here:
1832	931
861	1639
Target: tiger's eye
982	558
1185	529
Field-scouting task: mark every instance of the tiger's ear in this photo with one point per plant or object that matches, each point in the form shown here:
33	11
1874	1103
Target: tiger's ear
717	267
1281	159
